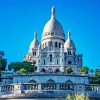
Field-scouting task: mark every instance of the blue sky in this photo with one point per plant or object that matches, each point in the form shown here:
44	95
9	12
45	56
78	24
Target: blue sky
19	19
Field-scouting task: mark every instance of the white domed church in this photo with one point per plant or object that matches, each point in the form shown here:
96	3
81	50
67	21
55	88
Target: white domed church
54	52
52	57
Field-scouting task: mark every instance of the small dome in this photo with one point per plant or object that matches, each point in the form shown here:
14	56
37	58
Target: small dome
53	25
35	43
69	44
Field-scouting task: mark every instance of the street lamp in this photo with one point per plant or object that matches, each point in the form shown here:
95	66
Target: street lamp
6	76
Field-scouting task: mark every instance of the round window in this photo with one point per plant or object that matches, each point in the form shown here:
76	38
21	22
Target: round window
69	62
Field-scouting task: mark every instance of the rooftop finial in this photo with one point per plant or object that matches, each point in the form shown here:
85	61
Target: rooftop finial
53	12
35	35
69	34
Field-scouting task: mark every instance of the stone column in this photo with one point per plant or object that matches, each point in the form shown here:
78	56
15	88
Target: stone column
99	89
18	88
0	89
57	86
39	86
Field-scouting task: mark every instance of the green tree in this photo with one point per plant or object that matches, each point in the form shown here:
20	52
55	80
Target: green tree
77	97
1	54
84	70
69	70
92	71
97	73
96	78
3	62
17	66
22	70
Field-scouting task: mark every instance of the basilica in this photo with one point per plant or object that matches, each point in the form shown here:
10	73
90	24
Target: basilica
54	52
52	57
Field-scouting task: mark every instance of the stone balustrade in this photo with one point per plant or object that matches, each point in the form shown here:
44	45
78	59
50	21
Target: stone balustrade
34	88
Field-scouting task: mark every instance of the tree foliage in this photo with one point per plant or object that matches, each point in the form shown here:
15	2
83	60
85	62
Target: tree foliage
27	66
22	70
96	78
77	97
69	70
84	70
3	62
97	73
1	54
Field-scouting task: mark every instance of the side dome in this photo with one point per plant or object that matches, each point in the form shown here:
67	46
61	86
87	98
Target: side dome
35	43
69	44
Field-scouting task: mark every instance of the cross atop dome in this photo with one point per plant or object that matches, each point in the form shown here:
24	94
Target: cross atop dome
35	35
53	11
69	35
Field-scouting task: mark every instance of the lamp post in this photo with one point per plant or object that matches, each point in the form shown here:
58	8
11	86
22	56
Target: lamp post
6	76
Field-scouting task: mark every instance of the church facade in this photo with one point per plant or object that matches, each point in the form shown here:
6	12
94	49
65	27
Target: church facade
54	52
52	57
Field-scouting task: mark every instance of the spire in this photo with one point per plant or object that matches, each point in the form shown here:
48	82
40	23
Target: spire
39	47
35	35
69	34
53	12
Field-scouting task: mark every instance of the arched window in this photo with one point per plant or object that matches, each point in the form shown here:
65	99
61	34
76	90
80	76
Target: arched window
55	44
50	57
69	52
52	33
57	61
59	44
45	44
34	53
44	61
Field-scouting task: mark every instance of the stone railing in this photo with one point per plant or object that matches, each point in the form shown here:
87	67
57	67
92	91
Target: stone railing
57	88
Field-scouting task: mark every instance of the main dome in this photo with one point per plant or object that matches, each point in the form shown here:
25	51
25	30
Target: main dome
53	31
53	25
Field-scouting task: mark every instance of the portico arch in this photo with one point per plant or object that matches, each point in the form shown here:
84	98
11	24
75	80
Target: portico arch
69	85
32	81
49	85
32	85
68	82
50	81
